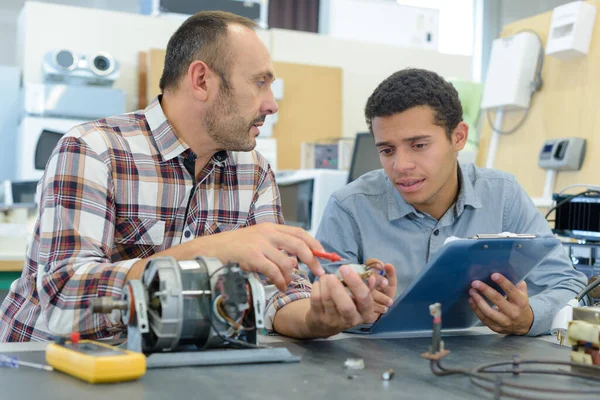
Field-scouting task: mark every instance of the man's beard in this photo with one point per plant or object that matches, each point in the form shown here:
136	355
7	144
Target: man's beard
227	127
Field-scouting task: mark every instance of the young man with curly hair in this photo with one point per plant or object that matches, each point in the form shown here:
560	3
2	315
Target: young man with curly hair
423	195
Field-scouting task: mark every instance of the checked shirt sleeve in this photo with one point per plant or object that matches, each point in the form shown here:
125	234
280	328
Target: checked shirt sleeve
267	206
73	242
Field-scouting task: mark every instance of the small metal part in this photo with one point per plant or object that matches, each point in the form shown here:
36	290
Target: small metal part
365	272
354	363
352	377
104	305
387	375
194	293
560	337
436	351
437	345
234	292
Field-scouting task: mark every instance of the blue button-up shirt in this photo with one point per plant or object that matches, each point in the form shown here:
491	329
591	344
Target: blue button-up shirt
368	218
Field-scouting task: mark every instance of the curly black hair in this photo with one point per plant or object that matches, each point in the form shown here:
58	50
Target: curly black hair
413	87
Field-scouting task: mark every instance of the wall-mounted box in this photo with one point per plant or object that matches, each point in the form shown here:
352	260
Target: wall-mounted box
571	30
511	72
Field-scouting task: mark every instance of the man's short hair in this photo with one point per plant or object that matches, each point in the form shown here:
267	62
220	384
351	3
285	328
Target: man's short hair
203	36
414	87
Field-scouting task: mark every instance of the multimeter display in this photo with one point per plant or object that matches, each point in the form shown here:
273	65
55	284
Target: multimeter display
94	350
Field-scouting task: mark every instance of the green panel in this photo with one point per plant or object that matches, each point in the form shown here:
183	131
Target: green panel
6	278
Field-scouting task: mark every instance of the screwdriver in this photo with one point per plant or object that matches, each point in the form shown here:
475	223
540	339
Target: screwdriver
14	362
327	256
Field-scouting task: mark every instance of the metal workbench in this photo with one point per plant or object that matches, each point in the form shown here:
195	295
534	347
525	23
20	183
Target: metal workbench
320	374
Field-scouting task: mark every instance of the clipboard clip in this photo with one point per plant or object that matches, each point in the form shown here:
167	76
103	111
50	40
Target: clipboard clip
504	235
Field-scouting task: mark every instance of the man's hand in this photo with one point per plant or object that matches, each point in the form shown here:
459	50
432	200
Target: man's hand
384	292
333	309
512	315
258	249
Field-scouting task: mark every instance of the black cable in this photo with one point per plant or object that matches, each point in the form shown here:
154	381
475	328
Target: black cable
498	386
588	289
567	199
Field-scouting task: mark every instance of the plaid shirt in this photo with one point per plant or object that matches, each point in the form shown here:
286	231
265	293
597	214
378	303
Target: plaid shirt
114	191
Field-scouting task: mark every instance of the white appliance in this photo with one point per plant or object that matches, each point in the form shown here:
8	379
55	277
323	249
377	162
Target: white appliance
513	73
381	21
571	30
68	67
304	194
73	101
36	139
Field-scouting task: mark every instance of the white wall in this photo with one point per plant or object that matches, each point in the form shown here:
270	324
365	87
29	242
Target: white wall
9	11
364	66
43	27
382	21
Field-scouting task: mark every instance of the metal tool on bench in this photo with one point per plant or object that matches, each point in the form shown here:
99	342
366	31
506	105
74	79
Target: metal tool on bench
194	313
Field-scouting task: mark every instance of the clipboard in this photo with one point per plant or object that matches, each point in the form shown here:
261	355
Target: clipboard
447	278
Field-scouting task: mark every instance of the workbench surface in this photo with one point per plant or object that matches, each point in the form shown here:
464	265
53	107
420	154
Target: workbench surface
320	374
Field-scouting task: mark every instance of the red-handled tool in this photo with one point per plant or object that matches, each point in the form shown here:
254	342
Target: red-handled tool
328	256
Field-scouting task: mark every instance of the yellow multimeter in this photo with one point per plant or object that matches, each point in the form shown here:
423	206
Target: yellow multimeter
96	362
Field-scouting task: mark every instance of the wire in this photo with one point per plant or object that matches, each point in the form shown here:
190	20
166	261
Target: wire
209	313
589	187
514	129
235	325
499	387
567	199
588	289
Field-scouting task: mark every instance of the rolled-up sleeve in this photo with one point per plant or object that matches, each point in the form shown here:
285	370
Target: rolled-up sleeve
74	240
555	281
266	207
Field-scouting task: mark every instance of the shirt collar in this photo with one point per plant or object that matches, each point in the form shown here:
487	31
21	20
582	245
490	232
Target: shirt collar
399	208
168	143
467	195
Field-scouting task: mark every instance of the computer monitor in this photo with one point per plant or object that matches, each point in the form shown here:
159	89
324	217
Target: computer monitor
296	203
46	144
20	194
365	157
304	195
